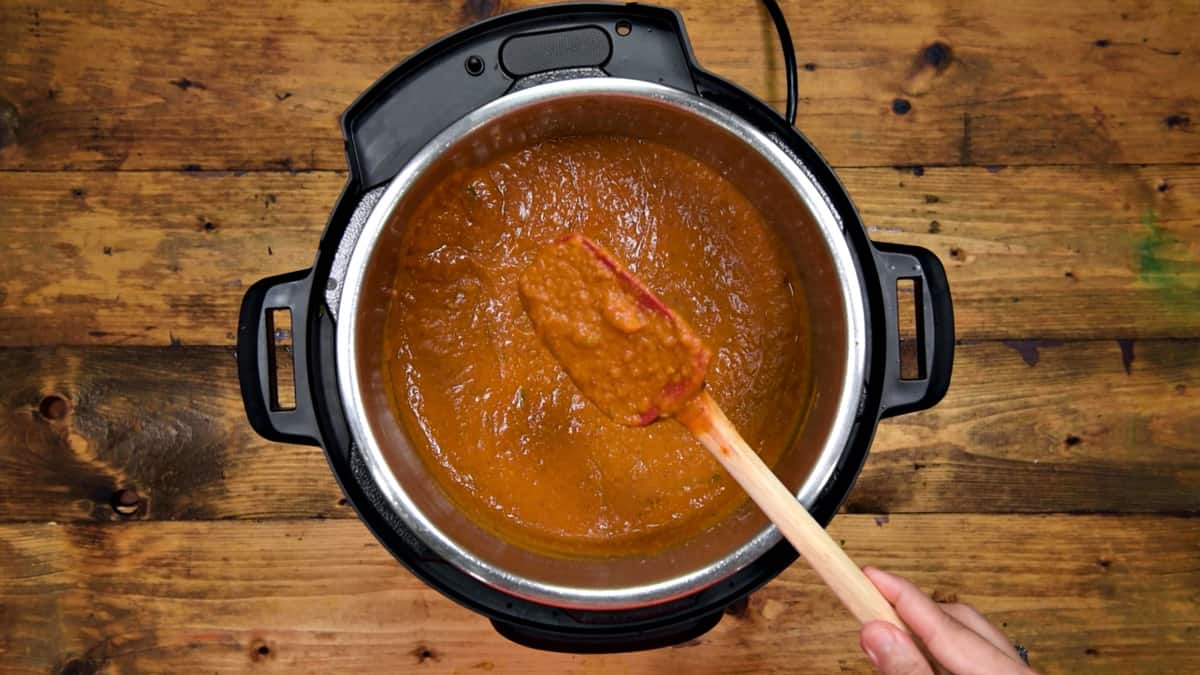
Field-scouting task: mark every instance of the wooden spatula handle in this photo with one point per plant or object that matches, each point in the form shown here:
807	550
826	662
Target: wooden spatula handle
705	419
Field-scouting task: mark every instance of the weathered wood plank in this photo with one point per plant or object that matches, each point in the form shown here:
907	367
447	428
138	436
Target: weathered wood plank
323	596
1025	428
130	258
166	423
157	258
246	85
1038	426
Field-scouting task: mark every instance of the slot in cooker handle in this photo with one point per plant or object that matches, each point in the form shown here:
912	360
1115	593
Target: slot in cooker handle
256	359
617	640
935	327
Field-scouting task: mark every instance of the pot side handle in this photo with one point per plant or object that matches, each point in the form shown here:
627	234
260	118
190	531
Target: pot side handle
618	639
935	328
256	359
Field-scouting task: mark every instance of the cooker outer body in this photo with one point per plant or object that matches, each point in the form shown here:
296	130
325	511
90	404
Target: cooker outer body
374	150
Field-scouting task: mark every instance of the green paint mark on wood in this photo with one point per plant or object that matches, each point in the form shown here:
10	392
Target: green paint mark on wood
1166	264
1151	266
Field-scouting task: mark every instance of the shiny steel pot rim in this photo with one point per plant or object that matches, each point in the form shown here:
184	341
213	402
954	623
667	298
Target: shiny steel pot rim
351	389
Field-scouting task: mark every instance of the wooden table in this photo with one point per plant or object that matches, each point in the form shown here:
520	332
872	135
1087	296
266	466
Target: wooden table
156	158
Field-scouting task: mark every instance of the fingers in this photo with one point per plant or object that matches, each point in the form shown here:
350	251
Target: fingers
951	643
971	618
892	652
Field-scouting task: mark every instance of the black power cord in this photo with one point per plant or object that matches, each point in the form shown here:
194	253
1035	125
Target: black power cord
789	57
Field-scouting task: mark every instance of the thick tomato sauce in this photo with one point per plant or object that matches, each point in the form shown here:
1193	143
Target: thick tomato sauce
503	430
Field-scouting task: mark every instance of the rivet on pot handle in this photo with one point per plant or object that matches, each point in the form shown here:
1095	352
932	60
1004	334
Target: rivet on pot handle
256	365
935	327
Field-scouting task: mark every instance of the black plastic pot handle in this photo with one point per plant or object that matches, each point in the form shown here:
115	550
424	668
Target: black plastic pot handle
256	359
935	327
619	639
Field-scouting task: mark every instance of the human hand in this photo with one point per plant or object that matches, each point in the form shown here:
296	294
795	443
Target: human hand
959	639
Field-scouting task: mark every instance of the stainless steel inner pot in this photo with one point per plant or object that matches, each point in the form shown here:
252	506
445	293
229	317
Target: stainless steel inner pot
780	188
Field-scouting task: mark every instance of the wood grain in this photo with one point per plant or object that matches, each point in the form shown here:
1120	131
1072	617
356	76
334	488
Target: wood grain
243	85
323	596
157	158
164	258
1074	431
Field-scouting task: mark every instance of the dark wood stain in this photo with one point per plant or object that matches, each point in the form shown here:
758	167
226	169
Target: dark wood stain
78	667
1178	121
9	123
478	10
1126	346
1028	349
939	595
129	423
964	143
184	84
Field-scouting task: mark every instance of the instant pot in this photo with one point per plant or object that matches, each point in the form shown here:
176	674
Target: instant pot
515	80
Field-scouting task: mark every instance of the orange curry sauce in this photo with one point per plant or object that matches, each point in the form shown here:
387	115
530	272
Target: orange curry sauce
504	431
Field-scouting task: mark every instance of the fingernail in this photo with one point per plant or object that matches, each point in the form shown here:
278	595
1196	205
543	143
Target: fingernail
881	641
871	655
886	641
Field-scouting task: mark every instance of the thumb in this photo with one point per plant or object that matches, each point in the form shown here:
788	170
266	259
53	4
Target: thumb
892	651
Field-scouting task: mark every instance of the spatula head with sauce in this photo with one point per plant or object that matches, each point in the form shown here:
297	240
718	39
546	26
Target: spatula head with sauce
628	352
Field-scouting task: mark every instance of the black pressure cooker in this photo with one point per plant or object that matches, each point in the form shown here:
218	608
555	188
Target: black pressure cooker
519	79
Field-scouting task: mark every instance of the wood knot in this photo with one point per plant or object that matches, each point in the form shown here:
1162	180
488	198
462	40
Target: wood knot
78	667
423	654
54	408
901	106
126	502
937	56
259	651
184	84
1181	122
